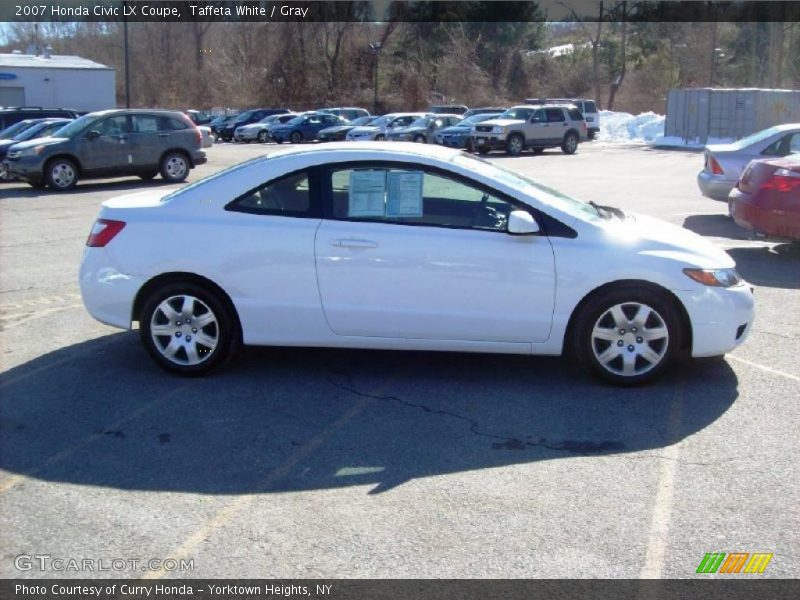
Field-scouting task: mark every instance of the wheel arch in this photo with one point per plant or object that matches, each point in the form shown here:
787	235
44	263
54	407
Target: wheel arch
572	130
183	277
686	323
66	155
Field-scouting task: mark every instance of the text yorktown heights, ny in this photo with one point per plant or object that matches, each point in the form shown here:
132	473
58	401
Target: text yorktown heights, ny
161	590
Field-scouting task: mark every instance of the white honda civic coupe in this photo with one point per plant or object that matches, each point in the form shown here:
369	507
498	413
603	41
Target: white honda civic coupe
405	246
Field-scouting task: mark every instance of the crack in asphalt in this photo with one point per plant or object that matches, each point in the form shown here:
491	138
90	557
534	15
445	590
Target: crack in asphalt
583	448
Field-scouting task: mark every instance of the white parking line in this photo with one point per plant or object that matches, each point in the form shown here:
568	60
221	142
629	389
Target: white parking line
662	509
765	368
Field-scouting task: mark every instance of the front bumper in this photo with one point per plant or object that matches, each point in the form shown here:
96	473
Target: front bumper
713	186
721	318
108	295
488	140
27	168
247	135
452	141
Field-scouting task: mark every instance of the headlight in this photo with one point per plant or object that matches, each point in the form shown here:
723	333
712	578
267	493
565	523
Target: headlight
715	277
35	151
497	130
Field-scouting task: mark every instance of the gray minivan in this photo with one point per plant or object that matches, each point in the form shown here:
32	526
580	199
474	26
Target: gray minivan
110	143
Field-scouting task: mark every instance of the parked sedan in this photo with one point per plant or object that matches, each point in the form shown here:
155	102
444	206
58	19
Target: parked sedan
405	246
724	163
378	128
459	135
304	128
260	131
766	200
337	133
41	128
423	129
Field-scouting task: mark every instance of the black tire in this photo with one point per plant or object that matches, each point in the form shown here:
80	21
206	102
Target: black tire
595	322
61	174
380	137
470	147
538	150
483	150
148	176
296	137
515	144
570	143
420	139
223	331
263	137
592	135
174	167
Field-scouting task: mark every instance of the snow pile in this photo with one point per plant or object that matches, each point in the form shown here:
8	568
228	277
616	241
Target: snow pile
625	128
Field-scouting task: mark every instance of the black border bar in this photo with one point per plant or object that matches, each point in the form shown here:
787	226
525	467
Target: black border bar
368	11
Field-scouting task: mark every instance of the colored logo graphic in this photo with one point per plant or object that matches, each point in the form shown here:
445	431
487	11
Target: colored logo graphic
736	562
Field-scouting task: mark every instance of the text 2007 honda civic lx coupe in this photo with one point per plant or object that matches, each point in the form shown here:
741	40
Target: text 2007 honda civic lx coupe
405	246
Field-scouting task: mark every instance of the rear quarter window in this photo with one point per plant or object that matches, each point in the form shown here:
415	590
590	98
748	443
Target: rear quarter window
589	107
575	114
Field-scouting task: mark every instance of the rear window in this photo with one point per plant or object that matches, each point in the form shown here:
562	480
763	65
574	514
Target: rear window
589	107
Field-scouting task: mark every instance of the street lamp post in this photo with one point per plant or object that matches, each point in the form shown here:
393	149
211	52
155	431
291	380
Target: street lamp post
127	62
375	48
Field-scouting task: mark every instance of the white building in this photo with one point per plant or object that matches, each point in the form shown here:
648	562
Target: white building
54	81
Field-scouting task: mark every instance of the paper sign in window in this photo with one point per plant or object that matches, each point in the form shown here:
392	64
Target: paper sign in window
367	194
405	194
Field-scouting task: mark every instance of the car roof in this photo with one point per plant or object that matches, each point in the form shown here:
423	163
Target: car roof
405	149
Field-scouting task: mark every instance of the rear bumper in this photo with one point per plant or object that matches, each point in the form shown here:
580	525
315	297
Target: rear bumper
721	318
199	158
765	215
714	186
107	294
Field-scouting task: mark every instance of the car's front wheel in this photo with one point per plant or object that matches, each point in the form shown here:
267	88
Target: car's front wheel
570	143
514	144
627	335
61	174
187	329
296	137
420	139
174	167
483	150
263	137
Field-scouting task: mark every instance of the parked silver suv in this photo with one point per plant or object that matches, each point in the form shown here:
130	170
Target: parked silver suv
532	126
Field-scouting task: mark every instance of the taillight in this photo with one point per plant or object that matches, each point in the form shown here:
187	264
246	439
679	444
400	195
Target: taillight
714	166
103	231
782	180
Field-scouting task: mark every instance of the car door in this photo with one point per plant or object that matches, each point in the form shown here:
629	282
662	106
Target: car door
105	147
413	252
150	135
556	124
537	129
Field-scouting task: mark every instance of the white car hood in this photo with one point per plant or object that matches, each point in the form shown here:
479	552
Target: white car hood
654	237
502	122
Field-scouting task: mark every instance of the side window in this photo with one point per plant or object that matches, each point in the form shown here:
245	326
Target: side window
794	144
539	117
289	196
411	196
780	147
145	124
555	115
113	125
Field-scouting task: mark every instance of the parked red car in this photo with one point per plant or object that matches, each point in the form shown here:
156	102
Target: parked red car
766	199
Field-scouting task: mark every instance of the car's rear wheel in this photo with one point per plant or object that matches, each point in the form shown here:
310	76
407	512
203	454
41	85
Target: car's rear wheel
570	143
470	147
149	175
627	336
483	150
174	167
380	137
420	139
61	174
514	144
296	137
187	329
263	137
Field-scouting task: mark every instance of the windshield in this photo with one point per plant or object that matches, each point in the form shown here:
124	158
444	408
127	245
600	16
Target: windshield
38	130
380	121
9	132
534	188
76	126
296	120
422	122
520	114
269	119
362	121
244	116
756	137
477	119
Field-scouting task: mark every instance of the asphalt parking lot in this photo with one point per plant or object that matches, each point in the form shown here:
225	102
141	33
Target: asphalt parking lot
335	463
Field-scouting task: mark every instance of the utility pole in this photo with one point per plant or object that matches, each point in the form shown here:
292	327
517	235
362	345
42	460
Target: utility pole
375	48
127	62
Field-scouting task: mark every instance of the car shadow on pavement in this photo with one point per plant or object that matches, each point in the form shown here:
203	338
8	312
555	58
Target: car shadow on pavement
16	190
777	266
281	420
715	226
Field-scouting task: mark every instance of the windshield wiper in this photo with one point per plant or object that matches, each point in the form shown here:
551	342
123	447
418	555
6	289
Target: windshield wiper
607	211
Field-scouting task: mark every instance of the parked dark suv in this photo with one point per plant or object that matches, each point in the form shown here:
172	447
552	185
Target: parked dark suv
110	143
9	116
245	118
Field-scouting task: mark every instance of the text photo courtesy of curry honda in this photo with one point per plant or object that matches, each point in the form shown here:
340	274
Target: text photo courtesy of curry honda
382	298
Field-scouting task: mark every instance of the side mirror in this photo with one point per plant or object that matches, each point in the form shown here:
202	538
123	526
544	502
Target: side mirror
93	135
521	222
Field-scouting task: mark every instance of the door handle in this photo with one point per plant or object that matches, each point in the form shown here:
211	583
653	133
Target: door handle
353	243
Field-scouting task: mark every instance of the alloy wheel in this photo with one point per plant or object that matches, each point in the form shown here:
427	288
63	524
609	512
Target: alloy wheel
184	330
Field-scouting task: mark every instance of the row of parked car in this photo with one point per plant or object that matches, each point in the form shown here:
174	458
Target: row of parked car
539	124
